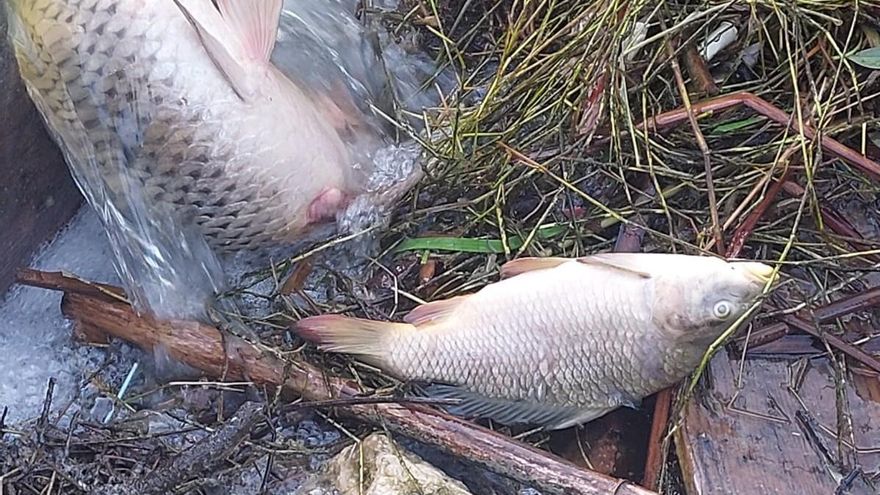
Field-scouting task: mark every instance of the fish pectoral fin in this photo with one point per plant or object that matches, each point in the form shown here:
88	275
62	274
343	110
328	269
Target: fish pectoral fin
433	311
512	412
629	263
240	33
623	398
255	22
523	265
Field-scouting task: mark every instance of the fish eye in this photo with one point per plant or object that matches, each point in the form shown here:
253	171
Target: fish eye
722	310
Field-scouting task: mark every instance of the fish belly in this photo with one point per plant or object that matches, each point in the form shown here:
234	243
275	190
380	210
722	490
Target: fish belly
146	121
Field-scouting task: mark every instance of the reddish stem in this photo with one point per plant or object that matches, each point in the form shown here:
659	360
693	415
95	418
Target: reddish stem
765	108
654	461
738	241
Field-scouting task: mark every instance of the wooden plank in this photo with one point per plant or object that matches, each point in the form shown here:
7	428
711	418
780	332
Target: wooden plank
762	445
37	194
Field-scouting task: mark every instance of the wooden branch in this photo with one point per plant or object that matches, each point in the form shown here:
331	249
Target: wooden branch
67	283
738	241
201	346
841	345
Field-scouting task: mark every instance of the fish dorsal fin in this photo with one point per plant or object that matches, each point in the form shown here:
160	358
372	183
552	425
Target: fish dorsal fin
513	412
623	262
523	265
241	33
433	311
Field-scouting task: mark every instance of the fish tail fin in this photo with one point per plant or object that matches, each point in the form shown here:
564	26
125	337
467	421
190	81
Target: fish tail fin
336	333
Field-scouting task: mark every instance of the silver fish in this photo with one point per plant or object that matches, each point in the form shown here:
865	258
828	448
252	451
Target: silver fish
558	342
176	104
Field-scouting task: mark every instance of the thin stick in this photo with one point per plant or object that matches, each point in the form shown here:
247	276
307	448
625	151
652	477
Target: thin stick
704	149
763	107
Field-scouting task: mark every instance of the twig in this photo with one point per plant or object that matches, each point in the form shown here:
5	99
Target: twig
763	107
203	457
745	230
834	341
704	149
860	302
43	422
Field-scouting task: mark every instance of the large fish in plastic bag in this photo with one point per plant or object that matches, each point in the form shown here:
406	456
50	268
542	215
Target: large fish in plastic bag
188	139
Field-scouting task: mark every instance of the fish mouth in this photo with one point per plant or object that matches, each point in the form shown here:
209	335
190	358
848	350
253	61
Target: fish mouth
758	272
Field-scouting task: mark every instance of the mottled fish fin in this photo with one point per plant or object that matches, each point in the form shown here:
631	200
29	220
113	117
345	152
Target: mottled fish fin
523	265
434	311
337	333
630	263
255	22
511	412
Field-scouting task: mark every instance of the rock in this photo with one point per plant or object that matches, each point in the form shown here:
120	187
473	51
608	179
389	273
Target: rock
388	469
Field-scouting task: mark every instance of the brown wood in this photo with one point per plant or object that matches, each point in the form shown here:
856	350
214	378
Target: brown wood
715	443
201	346
759	445
67	283
659	427
866	300
37	194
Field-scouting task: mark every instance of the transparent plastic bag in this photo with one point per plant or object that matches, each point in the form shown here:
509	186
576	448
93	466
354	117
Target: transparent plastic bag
179	171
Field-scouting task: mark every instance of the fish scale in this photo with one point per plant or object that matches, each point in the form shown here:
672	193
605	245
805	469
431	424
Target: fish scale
138	105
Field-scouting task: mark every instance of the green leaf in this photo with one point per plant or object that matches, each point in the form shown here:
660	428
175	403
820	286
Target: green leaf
869	58
736	125
457	244
470	245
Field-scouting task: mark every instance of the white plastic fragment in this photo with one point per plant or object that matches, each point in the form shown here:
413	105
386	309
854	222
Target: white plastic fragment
720	39
636	37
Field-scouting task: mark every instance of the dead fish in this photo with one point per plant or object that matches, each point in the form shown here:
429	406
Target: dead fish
558	342
180	102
